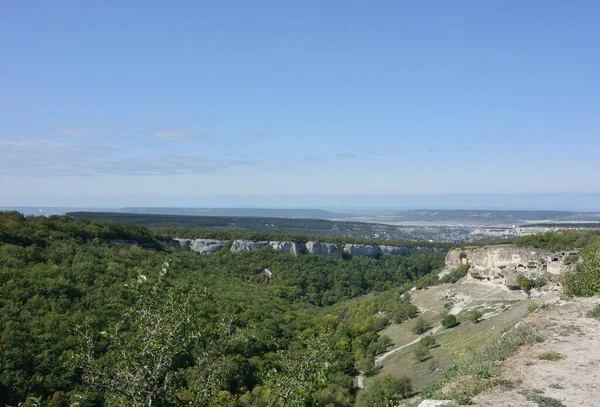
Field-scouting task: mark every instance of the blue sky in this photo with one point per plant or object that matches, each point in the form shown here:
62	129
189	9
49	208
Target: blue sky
112	102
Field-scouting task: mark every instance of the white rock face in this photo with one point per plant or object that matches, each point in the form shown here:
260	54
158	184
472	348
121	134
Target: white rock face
503	263
362	250
324	249
202	246
288	247
207	246
394	250
239	245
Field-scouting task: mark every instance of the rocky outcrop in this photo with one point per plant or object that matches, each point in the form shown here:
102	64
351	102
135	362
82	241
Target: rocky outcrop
240	245
202	246
362	250
288	247
502	264
394	250
332	250
324	249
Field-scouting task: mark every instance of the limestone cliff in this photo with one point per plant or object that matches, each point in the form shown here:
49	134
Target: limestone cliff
503	263
332	250
362	250
288	247
202	246
324	249
246	245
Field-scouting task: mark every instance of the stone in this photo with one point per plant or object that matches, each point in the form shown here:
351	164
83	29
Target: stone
206	246
362	250
240	245
324	249
502	264
288	247
394	250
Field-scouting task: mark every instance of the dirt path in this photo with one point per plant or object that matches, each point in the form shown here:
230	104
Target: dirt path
383	356
573	380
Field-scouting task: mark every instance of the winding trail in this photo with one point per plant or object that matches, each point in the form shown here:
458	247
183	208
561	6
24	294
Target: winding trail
383	356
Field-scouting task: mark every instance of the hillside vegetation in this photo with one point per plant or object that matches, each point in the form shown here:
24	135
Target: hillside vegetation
265	228
562	240
83	320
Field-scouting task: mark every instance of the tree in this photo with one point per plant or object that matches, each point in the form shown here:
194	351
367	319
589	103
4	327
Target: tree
584	280
421	352
475	315
300	372
449	321
138	366
366	365
428	341
420	326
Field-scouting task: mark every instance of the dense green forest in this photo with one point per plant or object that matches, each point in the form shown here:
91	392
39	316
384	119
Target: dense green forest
562	240
83	320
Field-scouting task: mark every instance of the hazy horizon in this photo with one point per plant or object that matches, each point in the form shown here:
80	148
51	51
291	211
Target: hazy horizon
559	202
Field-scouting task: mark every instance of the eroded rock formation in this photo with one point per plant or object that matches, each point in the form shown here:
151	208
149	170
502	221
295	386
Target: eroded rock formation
324	249
502	264
240	245
202	246
362	250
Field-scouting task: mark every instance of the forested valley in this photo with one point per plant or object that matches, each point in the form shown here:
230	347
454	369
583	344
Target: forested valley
89	323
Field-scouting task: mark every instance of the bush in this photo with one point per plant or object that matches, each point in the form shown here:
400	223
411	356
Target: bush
475	315
525	283
421	352
420	326
532	307
380	322
449	321
387	391
366	365
552	356
584	280
456	275
595	312
428	340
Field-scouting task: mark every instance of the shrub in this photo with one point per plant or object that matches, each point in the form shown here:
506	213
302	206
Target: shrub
552	356
449	321
543	401
595	312
525	283
428	340
380	322
365	365
532	307
584	280
385	340
475	315
421	352
420	326
456	275
387	391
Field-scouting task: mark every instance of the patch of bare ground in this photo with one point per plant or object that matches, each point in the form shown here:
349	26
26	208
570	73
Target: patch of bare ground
571	377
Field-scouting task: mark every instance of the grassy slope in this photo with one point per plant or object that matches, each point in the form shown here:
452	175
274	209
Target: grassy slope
451	345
